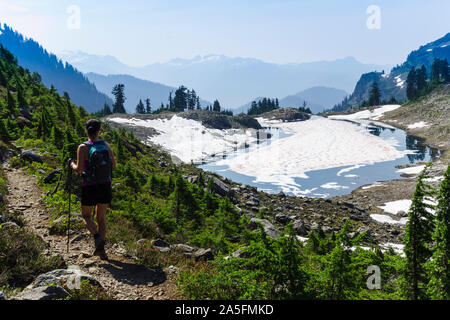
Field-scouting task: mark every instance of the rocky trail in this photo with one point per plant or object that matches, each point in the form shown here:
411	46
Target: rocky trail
120	276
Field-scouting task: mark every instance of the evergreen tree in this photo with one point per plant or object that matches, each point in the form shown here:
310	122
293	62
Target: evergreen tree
439	285
140	108
198	103
118	92
180	100
216	106
4	134
411	88
148	107
71	114
417	240
374	98
421	80
57	137
106	110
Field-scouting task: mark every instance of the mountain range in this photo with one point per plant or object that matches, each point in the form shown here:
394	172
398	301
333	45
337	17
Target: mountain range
63	76
232	80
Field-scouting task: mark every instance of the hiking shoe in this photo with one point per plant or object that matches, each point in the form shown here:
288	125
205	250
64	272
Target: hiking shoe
99	243
103	255
99	246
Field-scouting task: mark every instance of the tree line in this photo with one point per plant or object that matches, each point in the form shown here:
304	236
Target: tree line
418	83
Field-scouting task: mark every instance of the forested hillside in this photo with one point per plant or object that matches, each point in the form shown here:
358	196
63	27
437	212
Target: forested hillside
63	76
393	84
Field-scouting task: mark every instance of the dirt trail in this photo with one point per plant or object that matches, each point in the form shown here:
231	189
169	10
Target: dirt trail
120	277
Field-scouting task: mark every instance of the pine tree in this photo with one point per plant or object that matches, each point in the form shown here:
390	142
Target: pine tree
374	98
106	110
417	239
71	114
57	137
439	285
198	103
140	108
216	106
4	134
148	107
118	92
411	88
421	80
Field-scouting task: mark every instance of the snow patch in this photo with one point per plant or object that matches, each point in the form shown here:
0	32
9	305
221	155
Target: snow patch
382	218
367	114
412	170
395	207
420	124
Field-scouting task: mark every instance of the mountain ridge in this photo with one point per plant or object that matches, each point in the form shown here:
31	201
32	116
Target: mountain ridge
233	80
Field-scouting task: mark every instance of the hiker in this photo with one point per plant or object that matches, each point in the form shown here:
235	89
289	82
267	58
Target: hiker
95	162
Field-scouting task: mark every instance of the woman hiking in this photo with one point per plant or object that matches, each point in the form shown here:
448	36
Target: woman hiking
95	162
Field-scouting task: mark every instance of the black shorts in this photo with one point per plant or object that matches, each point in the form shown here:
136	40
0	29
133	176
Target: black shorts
96	194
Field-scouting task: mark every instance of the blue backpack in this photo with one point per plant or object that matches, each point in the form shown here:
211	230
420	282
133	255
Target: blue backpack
100	163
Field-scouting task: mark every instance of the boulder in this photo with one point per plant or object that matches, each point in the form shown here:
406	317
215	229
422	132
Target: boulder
300	228
183	248
269	228
52	176
161	245
43	293
201	255
31	156
221	188
69	276
282	218
2	296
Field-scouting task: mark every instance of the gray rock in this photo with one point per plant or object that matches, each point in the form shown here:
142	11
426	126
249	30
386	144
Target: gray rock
201	255
269	228
282	218
43	293
183	248
10	225
221	188
160	243
300	228
2	296
63	277
31	156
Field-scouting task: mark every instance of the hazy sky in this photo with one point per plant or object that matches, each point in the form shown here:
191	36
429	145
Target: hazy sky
140	32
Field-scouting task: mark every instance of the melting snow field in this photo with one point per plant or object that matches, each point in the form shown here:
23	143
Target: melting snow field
319	143
189	140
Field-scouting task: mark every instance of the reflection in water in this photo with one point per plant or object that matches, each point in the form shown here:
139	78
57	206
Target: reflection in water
318	182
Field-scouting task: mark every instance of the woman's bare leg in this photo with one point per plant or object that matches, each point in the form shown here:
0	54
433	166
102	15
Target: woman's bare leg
101	219
86	212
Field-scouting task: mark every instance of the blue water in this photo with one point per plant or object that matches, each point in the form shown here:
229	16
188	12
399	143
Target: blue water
364	175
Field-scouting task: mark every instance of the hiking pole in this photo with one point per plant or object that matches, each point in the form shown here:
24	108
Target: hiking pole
69	176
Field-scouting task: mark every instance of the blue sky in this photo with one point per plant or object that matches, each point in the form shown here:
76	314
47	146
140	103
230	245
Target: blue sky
140	32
